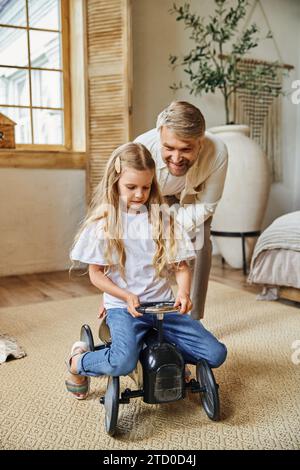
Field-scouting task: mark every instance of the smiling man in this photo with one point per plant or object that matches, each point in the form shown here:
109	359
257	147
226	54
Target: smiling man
191	167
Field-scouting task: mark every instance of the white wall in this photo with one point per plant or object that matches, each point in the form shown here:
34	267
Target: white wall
157	34
39	212
297	166
297	169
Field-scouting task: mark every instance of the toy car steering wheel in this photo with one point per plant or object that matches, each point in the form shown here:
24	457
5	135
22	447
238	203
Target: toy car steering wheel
157	308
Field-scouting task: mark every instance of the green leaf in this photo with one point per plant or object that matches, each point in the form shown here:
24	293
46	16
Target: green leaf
202	65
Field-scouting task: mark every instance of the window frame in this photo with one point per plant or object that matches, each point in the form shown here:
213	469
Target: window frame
49	155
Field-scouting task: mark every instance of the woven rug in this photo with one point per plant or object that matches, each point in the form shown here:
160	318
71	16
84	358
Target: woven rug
259	383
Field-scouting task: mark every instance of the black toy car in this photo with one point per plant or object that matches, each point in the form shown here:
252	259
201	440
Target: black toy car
163	373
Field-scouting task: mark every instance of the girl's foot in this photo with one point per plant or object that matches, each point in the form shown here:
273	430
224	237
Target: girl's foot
78	385
187	374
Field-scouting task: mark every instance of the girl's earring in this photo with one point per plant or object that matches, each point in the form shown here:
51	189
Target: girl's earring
118	165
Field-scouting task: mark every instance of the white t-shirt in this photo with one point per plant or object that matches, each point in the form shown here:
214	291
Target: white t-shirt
140	275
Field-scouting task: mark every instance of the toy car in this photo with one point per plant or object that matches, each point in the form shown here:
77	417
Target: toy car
163	370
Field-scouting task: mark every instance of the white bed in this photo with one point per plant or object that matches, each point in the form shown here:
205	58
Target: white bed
275	262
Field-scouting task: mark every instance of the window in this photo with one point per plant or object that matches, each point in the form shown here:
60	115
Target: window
34	88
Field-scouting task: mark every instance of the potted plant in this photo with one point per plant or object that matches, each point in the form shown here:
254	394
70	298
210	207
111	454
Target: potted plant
213	64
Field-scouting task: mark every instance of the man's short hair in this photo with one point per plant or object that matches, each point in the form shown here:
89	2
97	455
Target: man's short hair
183	118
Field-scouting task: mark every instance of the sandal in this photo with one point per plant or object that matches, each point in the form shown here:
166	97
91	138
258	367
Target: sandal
80	391
187	374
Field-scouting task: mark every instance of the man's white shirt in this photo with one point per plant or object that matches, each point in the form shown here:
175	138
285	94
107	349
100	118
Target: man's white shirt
200	190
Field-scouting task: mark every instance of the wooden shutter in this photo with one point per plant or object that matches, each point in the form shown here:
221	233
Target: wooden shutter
108	25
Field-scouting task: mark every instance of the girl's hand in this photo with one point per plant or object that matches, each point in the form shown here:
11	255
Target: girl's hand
183	300
132	302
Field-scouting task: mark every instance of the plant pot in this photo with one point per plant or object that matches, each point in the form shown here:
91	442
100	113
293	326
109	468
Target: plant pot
247	185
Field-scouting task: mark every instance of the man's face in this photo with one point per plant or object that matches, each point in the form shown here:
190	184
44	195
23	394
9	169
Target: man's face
179	154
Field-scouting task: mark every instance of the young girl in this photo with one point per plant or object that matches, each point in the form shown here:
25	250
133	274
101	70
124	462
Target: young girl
124	241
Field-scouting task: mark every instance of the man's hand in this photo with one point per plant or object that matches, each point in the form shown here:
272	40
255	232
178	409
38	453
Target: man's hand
183	300
132	302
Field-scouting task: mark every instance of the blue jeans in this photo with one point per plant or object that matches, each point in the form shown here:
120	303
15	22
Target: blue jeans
128	336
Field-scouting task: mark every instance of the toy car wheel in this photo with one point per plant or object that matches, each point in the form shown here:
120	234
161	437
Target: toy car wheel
111	404
210	395
86	335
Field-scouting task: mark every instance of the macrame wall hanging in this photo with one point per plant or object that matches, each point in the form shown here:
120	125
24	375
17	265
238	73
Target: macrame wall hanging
262	111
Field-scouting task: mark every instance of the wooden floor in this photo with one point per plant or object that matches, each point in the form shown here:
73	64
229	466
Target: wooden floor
225	274
32	288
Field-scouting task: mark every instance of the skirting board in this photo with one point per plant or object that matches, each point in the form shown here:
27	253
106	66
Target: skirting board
289	293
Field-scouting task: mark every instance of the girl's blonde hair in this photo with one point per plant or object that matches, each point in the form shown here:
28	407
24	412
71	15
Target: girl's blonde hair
135	156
